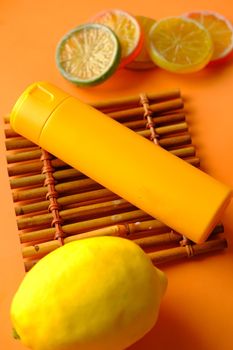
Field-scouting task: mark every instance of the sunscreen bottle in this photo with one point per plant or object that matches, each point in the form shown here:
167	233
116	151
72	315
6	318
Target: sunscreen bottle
161	184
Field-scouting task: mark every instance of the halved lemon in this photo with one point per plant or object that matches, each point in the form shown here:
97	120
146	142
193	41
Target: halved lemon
143	60
88	54
127	29
180	45
220	29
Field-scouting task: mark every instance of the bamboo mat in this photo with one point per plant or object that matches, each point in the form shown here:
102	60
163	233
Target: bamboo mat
55	204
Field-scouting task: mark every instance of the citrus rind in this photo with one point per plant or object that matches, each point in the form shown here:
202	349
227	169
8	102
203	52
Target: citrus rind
143	60
126	28
88	54
184	53
220	52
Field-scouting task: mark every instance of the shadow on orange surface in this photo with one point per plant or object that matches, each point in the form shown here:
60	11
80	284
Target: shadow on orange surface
179	332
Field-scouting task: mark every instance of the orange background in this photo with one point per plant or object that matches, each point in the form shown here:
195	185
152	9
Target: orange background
197	310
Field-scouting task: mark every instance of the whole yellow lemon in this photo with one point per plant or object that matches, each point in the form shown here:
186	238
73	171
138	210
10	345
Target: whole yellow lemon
98	293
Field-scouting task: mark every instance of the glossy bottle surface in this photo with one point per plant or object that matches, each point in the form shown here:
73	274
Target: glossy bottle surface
166	187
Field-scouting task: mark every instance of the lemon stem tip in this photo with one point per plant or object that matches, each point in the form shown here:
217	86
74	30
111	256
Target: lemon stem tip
15	334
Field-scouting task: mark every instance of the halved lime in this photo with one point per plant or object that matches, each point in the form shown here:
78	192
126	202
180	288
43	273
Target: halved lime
88	54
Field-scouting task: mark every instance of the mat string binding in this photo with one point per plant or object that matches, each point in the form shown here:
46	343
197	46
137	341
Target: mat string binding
52	196
148	116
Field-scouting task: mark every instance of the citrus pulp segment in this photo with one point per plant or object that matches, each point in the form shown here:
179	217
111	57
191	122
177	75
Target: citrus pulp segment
220	29
127	29
143	60
88	54
180	45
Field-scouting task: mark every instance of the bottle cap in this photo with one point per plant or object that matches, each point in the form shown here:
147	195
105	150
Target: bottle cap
34	107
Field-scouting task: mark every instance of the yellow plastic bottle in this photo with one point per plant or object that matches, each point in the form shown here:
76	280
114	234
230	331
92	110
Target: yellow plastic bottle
166	187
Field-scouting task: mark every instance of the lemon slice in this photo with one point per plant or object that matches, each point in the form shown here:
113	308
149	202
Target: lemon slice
127	29
88	54
180	45
220	29
143	60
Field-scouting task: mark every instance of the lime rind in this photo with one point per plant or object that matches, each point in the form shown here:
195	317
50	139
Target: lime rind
161	61
106	72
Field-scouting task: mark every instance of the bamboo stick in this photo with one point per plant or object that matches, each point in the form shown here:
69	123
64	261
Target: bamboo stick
68	187
161	107
150	226
146	134
27	181
18	143
40	249
126	230
78	227
174	141
122	231
6	119
130	101
63	188
93	201
157	233
135	124
218	229
135	100
116	230
78	199
184	152
80	213
168	255
195	161
47	247
165	130
161	130
165	142
69	173
23	156
158	120
66	174
33	167
28	264
36	166
31	155
171	129
71	187
168	237
80	204
157	240
10	133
